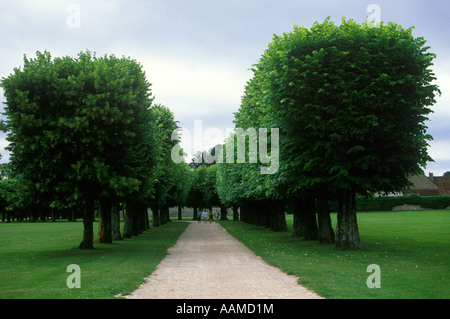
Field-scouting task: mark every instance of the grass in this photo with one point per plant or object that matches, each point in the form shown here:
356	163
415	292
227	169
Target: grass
34	259
411	248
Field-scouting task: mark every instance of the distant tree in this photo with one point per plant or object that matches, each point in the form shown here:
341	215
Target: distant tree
447	173
166	169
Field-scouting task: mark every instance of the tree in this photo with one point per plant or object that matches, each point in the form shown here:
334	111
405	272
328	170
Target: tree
74	126
166	168
195	197
181	186
243	184
447	173
351	102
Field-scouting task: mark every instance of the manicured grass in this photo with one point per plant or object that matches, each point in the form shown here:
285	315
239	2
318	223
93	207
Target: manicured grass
411	248
34	259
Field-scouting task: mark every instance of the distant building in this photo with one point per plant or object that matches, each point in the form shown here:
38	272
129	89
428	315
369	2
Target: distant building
429	185
443	184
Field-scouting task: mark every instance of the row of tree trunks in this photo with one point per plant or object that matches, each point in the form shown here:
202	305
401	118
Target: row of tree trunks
161	215
268	214
135	221
164	215
305	222
306	225
312	219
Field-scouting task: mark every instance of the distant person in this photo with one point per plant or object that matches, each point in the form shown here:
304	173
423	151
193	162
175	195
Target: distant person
205	215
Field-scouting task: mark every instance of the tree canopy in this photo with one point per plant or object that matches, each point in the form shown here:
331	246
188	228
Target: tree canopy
351	102
82	129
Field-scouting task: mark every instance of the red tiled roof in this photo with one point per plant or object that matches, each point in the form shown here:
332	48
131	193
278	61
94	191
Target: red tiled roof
443	184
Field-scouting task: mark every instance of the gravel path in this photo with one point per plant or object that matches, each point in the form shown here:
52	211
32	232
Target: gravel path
208	263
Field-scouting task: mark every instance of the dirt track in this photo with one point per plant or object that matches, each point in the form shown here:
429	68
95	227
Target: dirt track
208	263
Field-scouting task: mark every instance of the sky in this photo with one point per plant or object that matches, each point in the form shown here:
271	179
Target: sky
197	54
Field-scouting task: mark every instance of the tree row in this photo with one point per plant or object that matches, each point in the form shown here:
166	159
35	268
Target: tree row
84	135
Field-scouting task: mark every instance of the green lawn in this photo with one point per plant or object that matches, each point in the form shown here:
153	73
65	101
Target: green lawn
411	248
34	259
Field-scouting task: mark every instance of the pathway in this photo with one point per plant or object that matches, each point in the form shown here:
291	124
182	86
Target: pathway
208	263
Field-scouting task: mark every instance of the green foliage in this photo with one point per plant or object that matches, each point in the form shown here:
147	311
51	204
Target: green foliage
203	192
244	181
166	172
79	127
181	185
355	95
8	194
195	198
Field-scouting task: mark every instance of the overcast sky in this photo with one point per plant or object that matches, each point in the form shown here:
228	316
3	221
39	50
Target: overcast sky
197	53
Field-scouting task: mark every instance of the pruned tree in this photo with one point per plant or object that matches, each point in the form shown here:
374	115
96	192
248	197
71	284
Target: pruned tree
80	131
351	102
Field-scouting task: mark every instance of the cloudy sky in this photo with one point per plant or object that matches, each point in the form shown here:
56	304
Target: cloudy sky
197	53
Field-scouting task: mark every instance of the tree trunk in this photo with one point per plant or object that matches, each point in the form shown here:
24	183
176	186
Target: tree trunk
305	222
105	222
161	216
347	233
101	230
298	207
223	213
115	221
134	209
146	217
88	223
309	220
140	218
326	233
243	211
127	225
278	217
180	217
164	215
195	217
167	214
262	214
235	213
155	216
